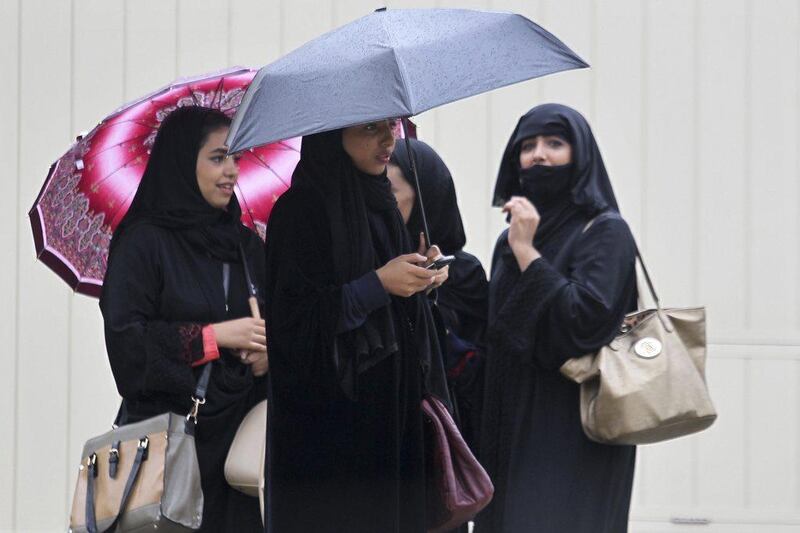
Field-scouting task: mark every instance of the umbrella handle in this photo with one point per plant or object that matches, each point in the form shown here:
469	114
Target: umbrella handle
254	307
413	162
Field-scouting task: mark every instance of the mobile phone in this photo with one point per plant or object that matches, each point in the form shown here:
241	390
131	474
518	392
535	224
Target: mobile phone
441	262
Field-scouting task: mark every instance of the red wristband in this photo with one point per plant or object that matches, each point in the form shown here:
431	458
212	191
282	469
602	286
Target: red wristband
210	348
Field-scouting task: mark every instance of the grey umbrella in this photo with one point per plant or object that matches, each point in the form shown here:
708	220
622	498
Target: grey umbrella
393	63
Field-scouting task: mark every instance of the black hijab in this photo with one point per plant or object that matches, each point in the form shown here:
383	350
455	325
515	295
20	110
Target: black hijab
590	190
354	201
169	195
438	194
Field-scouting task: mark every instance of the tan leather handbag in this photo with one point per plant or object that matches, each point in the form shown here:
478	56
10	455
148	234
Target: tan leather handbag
648	385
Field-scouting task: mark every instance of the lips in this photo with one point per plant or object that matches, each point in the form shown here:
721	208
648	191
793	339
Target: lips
384	157
226	188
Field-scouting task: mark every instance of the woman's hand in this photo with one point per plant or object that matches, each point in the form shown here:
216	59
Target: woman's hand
242	334
524	223
402	276
432	254
258	361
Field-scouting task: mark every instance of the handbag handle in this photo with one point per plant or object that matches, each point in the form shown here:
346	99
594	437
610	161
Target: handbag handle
647	278
91	519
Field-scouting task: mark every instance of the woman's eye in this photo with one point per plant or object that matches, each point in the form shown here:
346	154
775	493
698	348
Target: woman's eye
217	159
370	127
556	144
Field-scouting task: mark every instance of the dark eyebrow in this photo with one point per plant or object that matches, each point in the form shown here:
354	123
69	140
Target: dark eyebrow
222	151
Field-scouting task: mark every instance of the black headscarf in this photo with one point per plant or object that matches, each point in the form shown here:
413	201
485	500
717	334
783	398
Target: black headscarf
463	299
169	195
590	190
438	194
351	198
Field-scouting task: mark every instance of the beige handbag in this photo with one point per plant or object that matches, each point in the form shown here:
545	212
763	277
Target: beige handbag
647	385
244	466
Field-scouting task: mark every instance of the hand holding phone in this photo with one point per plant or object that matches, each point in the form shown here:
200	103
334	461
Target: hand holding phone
441	262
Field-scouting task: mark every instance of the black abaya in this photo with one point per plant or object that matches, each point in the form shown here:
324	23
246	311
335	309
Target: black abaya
549	477
345	430
163	285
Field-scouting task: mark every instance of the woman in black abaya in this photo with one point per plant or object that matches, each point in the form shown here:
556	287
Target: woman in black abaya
352	345
562	279
165	307
463	300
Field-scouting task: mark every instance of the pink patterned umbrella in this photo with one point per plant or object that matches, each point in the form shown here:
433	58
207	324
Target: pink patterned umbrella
89	189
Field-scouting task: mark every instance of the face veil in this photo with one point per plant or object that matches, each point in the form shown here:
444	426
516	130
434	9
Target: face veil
590	190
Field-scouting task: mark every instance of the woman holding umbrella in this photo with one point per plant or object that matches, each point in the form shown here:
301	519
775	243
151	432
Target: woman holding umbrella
352	344
175	298
562	279
462	302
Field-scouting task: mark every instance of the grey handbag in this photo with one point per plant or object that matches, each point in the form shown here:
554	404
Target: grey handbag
142	476
648	384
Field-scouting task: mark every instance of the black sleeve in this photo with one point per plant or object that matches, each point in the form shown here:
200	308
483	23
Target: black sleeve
147	355
553	317
360	297
513	330
588	310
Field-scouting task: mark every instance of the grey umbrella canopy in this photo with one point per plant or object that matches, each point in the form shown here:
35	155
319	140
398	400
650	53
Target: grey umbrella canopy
393	63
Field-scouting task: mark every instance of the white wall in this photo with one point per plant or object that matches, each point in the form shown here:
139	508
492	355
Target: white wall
696	107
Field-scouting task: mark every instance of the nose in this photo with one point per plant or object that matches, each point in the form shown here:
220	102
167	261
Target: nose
231	167
388	134
539	153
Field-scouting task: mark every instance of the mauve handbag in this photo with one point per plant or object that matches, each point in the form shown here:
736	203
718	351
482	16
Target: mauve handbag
458	487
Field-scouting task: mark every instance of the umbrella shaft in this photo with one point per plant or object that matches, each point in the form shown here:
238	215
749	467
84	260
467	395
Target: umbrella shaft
413	162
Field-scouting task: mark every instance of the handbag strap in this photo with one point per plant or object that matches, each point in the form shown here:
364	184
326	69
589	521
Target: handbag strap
91	474
647	278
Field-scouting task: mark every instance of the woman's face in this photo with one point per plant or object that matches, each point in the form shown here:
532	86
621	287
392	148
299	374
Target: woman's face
370	145
217	172
548	150
403	191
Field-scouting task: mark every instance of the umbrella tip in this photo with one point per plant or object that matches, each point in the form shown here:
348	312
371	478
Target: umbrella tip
380	9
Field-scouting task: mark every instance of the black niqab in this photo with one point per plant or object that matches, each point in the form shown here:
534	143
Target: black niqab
169	195
590	191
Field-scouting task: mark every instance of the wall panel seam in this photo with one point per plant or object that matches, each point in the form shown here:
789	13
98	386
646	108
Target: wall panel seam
18	217
748	164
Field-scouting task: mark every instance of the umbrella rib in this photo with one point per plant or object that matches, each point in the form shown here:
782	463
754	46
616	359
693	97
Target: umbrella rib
292	148
268	167
247	206
110	174
107	148
218	95
116	210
